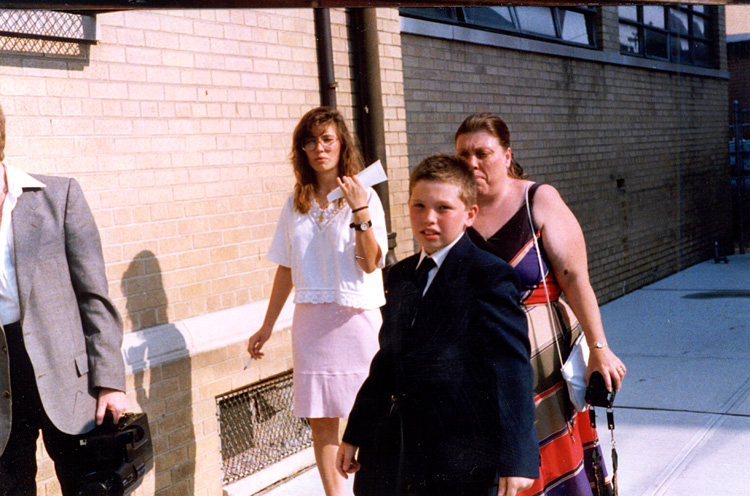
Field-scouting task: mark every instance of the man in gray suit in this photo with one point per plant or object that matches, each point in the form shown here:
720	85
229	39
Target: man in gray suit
61	368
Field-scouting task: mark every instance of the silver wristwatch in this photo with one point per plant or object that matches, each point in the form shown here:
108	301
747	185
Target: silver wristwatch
361	226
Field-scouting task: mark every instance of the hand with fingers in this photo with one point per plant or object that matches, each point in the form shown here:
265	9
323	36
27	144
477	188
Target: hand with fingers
604	361
346	462
510	486
257	340
354	193
110	400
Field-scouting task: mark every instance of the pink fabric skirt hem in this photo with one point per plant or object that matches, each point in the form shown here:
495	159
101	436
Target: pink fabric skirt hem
332	349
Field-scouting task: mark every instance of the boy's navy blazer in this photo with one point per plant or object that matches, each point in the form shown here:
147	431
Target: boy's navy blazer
454	367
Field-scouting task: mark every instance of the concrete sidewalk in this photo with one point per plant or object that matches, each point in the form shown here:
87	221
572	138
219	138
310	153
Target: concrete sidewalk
683	416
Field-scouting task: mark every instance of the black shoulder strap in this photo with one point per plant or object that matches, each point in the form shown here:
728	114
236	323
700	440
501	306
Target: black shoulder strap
532	190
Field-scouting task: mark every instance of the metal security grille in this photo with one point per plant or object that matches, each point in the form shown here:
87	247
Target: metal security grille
46	32
257	428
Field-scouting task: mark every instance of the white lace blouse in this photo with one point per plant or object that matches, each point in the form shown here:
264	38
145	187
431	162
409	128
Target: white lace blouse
319	248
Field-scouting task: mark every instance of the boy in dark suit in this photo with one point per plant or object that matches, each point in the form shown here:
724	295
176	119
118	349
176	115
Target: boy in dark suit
447	408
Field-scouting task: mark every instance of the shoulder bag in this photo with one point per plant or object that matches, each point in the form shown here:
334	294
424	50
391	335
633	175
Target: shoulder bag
574	368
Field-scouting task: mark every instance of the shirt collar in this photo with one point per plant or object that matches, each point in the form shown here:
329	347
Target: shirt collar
18	180
439	255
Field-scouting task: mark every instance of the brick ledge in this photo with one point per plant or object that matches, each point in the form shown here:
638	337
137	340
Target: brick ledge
165	343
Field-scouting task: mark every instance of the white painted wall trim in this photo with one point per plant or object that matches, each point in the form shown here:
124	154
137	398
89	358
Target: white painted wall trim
165	343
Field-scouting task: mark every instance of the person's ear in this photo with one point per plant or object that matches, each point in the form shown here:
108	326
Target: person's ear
471	215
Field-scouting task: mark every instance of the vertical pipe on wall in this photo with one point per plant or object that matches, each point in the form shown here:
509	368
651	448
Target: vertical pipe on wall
324	50
363	36
739	168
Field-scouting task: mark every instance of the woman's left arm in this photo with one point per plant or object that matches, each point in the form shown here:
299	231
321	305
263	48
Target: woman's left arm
566	250
367	250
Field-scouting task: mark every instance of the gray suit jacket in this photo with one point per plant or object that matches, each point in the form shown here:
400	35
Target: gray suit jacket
72	331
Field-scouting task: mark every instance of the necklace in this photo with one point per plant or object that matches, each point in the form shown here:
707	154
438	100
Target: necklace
323	216
322	208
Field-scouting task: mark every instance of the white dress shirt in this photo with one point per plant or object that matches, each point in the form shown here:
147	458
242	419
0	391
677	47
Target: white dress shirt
439	258
17	180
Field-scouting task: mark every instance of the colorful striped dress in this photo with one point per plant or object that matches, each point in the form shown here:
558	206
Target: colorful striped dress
567	442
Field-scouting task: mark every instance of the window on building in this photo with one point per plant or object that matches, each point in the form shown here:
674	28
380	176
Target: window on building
679	34
569	25
46	32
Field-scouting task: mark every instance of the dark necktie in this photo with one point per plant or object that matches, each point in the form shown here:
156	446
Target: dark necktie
422	272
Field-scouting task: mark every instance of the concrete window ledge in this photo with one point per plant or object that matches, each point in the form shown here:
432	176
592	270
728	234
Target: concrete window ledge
267	478
155	346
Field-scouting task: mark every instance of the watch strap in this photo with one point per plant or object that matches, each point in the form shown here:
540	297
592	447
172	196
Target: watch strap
357	226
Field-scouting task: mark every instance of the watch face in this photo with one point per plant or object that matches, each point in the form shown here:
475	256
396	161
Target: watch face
364	226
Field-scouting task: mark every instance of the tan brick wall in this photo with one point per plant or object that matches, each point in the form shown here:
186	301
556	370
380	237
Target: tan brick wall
582	126
178	129
392	82
178	124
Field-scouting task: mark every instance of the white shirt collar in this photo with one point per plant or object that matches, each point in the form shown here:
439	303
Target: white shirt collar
10	308
439	258
439	255
18	180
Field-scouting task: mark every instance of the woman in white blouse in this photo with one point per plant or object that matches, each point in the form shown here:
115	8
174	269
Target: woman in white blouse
331	253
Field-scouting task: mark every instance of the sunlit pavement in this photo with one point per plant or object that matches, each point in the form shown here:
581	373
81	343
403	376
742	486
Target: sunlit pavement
683	416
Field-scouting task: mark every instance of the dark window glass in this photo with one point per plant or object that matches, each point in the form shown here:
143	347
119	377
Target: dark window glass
681	34
701	53
570	25
440	13
655	43
498	17
678	22
699	27
680	50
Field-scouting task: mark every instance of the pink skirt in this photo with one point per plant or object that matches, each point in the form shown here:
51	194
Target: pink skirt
332	347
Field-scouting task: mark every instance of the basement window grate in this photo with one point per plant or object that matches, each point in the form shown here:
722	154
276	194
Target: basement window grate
46	32
257	427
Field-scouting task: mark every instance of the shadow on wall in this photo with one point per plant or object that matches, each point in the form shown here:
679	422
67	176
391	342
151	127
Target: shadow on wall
163	389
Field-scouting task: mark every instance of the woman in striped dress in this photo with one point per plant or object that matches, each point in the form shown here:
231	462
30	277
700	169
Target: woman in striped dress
567	442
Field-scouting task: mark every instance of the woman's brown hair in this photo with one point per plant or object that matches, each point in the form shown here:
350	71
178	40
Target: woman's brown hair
494	125
350	159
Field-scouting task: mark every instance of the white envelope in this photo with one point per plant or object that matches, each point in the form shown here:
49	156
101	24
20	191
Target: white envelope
371	176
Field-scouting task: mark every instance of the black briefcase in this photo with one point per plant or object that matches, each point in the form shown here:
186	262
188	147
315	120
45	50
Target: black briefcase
119	456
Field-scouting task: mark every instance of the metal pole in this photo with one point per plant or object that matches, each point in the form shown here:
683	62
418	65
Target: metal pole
324	50
364	38
740	180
